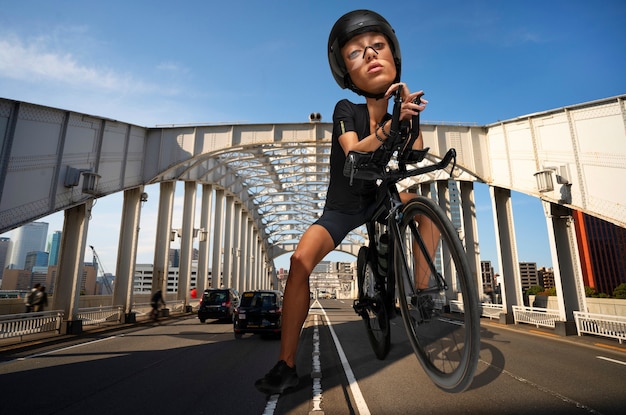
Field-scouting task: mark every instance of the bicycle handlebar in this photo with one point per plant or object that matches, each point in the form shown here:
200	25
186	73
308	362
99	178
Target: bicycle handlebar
373	165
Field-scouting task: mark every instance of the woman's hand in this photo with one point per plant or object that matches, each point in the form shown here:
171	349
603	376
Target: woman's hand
412	103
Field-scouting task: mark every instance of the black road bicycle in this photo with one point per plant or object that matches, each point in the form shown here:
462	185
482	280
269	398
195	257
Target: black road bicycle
416	268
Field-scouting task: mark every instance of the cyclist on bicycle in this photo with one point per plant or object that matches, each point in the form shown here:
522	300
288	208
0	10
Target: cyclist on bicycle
156	302
364	56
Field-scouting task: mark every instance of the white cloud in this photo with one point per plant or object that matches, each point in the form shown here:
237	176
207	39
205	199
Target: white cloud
35	61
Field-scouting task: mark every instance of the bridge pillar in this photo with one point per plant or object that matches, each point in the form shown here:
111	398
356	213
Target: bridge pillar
69	275
127	251
160	269
568	276
511	289
186	242
228	241
218	231
236	266
470	233
243	252
202	274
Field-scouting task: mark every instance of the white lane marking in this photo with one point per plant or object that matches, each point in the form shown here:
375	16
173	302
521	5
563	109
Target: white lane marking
316	372
619	362
359	401
270	406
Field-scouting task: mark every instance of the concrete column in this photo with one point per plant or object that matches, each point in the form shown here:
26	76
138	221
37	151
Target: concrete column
237	247
443	199
228	242
70	270
127	251
470	227
218	232
186	241
161	267
511	289
568	277
257	262
202	274
245	254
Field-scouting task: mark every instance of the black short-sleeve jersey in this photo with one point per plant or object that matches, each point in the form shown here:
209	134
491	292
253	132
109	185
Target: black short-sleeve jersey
341	195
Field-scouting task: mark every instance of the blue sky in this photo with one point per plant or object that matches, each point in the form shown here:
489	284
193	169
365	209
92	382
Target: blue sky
157	62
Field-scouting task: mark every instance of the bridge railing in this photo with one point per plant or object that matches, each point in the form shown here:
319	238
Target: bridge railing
98	315
491	310
19	325
601	325
537	316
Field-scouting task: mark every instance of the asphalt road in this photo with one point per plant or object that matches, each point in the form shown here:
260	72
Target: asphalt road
183	367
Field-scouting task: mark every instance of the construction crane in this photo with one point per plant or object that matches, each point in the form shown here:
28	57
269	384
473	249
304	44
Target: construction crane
98	265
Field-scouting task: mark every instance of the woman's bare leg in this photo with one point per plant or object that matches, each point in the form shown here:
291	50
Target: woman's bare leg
315	244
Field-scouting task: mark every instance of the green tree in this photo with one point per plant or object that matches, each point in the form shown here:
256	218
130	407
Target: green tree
590	291
620	291
534	290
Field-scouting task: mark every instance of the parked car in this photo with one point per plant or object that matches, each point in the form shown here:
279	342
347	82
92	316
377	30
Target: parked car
260	311
219	303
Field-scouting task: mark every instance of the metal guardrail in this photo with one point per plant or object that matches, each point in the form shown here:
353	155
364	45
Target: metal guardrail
143	309
601	325
99	315
18	325
536	315
491	310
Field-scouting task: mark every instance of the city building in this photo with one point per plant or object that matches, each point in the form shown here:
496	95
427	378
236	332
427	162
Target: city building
602	250
54	246
5	244
528	275
25	239
546	277
35	259
487	275
142	283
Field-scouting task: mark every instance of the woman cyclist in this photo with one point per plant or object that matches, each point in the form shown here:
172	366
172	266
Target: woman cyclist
364	56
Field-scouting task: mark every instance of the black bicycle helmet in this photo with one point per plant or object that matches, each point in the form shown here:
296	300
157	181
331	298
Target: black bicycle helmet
350	25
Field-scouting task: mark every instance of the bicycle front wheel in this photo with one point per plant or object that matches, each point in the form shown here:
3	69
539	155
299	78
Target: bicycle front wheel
437	295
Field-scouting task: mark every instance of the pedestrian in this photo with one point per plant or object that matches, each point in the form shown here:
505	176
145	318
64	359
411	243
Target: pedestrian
193	293
41	300
364	56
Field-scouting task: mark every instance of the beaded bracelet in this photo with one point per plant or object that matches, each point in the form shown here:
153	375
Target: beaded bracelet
377	136
382	127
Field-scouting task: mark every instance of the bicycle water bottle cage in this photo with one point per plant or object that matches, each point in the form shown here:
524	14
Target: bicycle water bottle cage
361	165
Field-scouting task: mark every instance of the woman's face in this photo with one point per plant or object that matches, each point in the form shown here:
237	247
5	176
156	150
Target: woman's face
369	61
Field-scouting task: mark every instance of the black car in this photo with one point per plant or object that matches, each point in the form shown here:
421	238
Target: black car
219	303
260	311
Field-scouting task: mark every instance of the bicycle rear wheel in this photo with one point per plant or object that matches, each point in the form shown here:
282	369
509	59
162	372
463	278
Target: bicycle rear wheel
432	270
371	306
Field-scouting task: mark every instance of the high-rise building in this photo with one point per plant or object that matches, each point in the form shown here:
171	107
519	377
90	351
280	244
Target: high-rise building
602	249
5	244
35	259
54	245
486	272
528	275
25	239
546	277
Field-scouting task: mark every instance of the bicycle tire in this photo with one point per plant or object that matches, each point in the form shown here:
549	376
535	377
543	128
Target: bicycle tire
446	343
374	312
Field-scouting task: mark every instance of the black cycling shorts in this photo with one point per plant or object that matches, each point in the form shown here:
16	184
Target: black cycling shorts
339	224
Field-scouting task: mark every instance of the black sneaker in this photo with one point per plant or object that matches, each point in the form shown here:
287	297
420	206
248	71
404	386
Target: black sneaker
278	380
